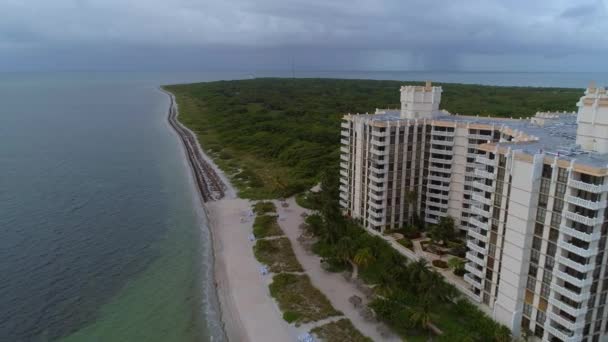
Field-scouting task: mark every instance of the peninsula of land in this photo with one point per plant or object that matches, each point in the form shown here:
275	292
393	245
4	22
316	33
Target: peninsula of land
273	139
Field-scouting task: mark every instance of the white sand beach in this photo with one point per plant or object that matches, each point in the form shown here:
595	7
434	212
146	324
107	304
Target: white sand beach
248	312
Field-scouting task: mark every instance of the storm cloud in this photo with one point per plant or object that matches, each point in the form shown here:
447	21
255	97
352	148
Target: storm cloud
318	34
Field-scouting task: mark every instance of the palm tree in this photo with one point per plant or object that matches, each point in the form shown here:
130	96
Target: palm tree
420	315
364	257
345	251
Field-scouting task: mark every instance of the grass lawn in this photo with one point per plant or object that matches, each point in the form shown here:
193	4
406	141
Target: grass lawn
306	200
299	301
265	226
407	243
277	254
338	331
264	207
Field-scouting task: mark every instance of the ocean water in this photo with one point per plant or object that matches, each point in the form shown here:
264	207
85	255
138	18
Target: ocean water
101	233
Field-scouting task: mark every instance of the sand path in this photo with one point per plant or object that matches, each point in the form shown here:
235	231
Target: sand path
333	285
248	311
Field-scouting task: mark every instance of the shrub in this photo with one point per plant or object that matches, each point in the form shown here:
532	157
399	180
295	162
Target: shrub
440	264
291	316
407	243
264	207
265	226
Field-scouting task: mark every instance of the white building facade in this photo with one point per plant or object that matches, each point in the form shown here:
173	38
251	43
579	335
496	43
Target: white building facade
530	195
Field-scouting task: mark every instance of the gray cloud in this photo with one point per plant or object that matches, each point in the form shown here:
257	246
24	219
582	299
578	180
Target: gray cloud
383	34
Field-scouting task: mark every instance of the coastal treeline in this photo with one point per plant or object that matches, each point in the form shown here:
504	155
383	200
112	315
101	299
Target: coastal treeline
275	136
410	297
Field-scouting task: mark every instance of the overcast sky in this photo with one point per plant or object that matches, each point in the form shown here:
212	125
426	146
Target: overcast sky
504	35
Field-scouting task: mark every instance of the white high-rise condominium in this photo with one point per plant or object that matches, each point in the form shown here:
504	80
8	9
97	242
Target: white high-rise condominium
529	194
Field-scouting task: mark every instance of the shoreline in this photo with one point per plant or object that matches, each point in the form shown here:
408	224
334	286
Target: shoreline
247	311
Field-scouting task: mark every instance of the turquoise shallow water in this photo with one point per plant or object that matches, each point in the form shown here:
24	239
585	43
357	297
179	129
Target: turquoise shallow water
101	234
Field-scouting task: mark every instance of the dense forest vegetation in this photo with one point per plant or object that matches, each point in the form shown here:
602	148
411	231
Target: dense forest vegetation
274	136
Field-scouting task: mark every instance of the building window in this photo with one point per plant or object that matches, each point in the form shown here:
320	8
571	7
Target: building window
527	310
562	175
541	317
544	290
538	331
531	283
536	243
540	215
547	276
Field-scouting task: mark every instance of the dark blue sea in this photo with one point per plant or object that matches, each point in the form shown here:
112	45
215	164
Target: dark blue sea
101	233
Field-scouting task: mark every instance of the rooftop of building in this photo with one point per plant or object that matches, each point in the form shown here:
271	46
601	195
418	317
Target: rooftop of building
551	133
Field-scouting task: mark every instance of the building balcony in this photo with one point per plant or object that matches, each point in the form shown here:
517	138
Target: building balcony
589	221
577	297
344	173
344	195
477	234
594	188
479	137
442	142
572	279
477	223
374	205
565	322
345	141
376	142
586	203
375	187
573	264
376	214
345	157
376	133
435	212
379	160
565	336
481	199
344	188
439	178
344	165
471	268
378	178
474	258
345	133
442	133
584	252
344	180
484	174
440	196
344	204
437	204
481	186
438	187
475	247
440	169
485	160
576	312
378	152
345	124
587	237
448	152
431	220
376	197
441	161
345	149
481	212
471	280
377	168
